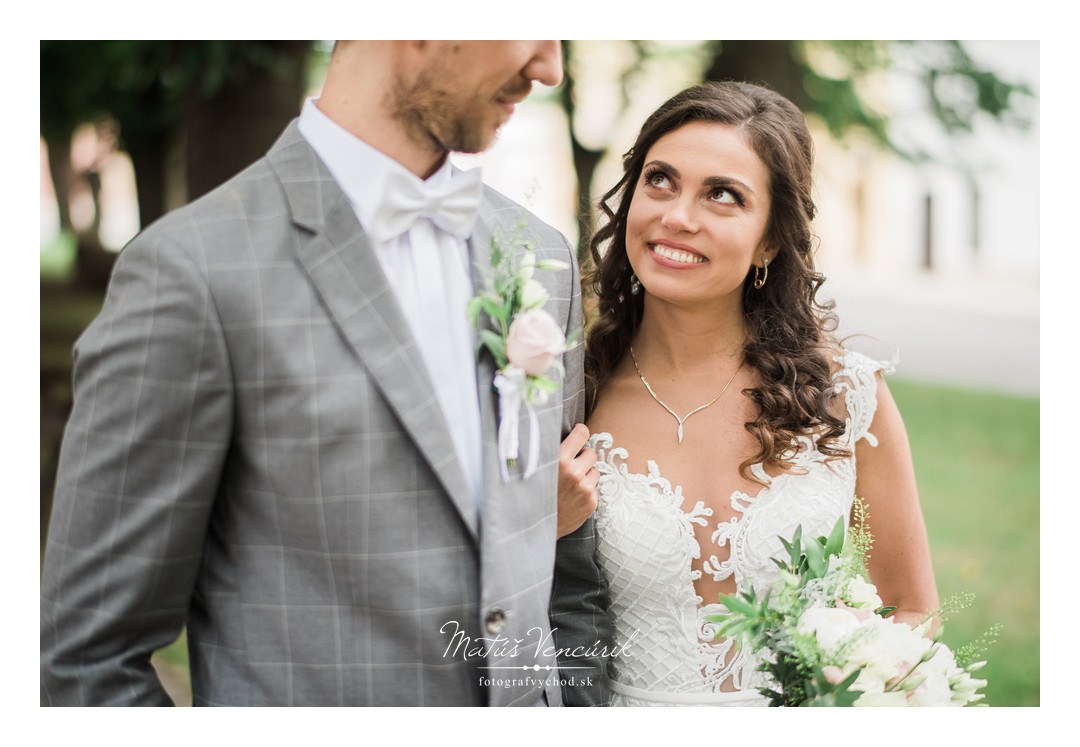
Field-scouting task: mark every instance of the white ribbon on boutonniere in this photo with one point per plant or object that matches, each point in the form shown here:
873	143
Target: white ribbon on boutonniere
510	383
525	344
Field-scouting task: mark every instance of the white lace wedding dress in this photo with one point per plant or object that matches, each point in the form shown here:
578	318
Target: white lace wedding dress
646	542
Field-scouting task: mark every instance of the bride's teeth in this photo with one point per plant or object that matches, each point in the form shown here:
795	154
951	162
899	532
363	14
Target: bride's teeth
677	256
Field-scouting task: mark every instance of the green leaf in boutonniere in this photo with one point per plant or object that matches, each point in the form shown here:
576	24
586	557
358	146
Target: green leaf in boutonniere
526	342
493	308
495	344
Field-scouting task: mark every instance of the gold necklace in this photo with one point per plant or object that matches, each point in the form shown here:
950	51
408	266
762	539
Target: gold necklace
675	415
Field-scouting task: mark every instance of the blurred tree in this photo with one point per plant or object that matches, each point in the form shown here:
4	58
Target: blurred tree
218	104
190	115
826	79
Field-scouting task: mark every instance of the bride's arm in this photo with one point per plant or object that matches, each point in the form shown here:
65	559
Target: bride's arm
899	562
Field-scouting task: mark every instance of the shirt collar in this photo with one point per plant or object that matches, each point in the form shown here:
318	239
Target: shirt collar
358	168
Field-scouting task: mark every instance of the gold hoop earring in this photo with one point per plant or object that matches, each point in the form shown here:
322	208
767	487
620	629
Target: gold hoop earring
759	276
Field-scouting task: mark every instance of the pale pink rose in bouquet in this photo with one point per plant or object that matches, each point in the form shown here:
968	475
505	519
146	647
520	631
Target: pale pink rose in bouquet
533	341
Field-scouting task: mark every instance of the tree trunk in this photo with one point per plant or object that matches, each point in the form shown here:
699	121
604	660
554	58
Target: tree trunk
60	171
148	158
766	62
585	163
226	132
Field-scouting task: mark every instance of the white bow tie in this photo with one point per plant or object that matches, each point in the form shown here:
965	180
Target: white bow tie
452	206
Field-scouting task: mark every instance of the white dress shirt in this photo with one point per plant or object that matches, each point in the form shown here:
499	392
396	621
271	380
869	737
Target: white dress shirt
428	270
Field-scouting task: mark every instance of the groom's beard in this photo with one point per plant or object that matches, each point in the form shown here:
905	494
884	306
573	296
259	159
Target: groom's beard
448	121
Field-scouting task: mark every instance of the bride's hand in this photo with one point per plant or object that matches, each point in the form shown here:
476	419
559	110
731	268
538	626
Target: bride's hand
577	480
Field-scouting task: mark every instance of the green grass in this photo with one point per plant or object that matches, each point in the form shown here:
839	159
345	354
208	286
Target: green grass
977	463
176	653
58	257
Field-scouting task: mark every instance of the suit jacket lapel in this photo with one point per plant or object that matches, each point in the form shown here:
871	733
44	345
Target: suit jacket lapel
348	277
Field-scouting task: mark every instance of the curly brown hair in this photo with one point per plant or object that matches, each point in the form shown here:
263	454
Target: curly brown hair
788	343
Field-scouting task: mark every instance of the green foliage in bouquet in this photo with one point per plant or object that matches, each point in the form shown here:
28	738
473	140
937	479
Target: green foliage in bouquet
818	646
795	664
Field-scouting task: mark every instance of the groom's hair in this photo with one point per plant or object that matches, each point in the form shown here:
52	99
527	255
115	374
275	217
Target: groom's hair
789	340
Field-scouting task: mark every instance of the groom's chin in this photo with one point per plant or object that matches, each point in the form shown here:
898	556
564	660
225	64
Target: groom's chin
480	140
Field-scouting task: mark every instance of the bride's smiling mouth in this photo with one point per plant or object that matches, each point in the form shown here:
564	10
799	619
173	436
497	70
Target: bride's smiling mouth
668	254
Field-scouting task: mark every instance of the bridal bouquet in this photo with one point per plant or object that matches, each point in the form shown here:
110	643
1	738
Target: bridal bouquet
526	344
827	638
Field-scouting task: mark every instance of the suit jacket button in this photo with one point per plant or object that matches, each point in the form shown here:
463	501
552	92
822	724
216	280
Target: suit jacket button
495	621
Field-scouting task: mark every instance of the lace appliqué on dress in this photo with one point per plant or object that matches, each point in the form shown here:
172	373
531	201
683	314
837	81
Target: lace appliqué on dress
646	546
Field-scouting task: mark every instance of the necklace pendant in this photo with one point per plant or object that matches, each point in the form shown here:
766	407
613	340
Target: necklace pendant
680	432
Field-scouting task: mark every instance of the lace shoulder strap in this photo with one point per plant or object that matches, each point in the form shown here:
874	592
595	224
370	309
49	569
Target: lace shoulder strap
855	380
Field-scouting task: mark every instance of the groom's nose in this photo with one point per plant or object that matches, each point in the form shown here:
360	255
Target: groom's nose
546	64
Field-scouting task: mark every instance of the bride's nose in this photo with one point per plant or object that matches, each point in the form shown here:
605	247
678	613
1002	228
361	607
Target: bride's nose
680	215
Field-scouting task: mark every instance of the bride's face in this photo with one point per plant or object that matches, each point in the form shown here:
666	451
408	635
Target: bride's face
698	216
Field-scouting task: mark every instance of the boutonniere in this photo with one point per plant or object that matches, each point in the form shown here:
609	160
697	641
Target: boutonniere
526	344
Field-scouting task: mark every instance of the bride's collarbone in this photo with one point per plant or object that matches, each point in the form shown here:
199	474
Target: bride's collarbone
713	431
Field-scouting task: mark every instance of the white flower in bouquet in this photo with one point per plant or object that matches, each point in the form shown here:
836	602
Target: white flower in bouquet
945	682
831	626
885	699
895	664
860	593
822	635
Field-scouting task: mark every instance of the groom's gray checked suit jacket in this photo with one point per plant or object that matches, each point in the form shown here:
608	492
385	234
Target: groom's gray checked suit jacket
256	451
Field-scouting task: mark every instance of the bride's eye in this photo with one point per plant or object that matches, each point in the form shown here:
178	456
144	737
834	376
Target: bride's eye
726	196
657	178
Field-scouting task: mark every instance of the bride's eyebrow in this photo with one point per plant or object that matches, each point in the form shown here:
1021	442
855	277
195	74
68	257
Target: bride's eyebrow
727	181
656	163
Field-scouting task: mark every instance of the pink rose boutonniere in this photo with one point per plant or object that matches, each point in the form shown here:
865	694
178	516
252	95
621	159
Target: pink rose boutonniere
533	342
526	343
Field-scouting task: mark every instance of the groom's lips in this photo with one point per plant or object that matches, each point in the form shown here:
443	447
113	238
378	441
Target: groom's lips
510	98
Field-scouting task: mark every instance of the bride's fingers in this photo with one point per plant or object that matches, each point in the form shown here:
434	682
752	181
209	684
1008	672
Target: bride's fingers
584	462
574	442
578	478
577	495
591	479
586	494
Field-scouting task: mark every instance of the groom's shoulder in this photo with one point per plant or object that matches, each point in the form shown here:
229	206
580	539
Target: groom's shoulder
510	216
247	209
251	196
243	222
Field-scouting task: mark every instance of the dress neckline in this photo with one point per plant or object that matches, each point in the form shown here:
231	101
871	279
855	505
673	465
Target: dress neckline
654	473
739	500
